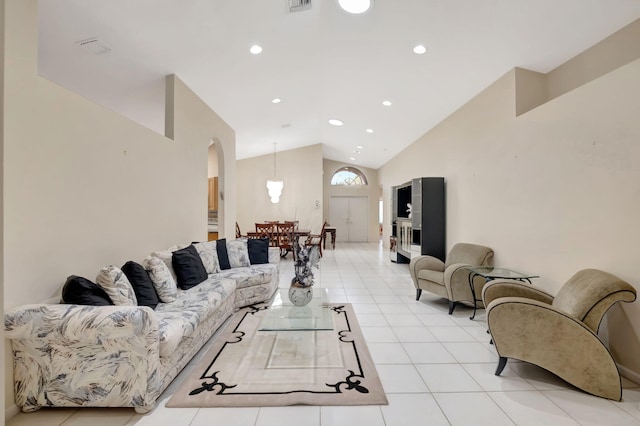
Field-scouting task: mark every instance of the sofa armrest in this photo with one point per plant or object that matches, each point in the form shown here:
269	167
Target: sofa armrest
72	355
274	254
512	288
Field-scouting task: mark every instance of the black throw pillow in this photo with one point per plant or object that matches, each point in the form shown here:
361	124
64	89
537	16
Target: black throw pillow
80	291
258	250
141	283
189	268
223	256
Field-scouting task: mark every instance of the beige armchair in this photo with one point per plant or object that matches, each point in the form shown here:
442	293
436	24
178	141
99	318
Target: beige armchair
450	279
559	333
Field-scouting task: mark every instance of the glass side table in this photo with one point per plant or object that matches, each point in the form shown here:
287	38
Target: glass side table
490	273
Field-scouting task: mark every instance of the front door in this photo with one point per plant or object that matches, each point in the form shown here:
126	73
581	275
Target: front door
350	216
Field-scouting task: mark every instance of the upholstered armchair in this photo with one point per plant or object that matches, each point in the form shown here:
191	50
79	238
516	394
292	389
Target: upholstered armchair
450	279
559	333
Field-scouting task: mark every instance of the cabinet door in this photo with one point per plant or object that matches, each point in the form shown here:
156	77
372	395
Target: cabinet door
213	193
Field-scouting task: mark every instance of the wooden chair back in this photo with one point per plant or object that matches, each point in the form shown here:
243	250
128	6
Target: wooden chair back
286	234
267	230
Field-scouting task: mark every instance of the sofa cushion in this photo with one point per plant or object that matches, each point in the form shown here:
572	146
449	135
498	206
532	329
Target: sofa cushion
116	284
258	249
188	267
251	275
81	291
167	256
180	318
238	253
209	256
433	276
161	278
142	286
223	256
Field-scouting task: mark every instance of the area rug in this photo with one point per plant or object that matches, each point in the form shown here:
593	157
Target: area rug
246	367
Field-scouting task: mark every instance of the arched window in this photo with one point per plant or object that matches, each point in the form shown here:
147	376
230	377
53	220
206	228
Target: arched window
349	176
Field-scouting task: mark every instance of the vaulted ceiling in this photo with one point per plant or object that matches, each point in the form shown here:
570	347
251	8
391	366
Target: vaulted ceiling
323	63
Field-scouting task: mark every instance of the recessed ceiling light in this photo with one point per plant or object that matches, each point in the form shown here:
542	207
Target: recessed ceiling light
276	100
419	49
359	147
352	158
386	103
355	6
369	130
335	122
356	151
255	49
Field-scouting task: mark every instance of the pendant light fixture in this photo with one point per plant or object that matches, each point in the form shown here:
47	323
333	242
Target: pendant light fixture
274	186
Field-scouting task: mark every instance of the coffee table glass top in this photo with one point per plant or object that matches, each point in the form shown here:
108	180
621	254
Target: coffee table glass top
282	315
493	273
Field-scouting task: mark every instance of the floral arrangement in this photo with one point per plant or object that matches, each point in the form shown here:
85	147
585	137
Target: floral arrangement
306	257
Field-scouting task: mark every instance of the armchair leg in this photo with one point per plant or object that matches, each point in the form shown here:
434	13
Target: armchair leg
452	306
418	293
501	364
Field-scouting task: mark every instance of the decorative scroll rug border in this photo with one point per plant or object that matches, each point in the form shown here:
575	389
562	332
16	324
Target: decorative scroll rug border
360	386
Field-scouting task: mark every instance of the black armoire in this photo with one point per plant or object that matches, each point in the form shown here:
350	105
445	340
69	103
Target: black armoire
421	228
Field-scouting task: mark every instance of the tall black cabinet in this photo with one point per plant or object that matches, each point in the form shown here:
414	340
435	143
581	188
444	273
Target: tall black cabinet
419	229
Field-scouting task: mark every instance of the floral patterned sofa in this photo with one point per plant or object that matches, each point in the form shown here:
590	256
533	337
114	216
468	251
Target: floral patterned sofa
123	355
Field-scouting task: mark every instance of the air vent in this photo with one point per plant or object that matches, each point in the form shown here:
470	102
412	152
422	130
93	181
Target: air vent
94	46
298	5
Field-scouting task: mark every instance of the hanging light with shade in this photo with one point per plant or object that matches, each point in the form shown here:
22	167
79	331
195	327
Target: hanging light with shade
274	186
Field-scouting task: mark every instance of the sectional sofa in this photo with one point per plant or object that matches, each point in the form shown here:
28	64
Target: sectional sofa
124	354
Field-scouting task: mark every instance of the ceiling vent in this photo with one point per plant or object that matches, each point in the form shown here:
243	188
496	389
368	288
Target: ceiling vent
298	5
95	46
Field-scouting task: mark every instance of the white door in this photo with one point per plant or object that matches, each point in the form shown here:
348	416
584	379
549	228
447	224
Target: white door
350	216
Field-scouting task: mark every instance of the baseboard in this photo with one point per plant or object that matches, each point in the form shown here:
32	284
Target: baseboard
634	376
10	411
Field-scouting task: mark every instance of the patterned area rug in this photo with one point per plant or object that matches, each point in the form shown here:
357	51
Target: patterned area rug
250	368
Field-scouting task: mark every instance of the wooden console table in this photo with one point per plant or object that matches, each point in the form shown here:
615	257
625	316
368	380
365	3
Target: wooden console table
329	230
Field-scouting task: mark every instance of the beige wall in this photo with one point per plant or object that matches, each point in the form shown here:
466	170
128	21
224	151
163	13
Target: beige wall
212	168
195	121
2	342
300	170
85	187
617	50
372	191
552	191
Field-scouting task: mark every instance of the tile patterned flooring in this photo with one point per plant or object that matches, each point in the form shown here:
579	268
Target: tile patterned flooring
436	369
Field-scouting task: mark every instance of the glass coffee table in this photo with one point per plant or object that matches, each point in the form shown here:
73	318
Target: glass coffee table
283	315
490	273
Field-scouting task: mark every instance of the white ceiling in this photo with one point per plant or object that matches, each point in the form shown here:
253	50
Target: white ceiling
323	63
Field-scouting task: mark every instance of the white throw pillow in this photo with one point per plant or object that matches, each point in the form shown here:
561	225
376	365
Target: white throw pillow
116	284
209	255
161	278
167	256
238	253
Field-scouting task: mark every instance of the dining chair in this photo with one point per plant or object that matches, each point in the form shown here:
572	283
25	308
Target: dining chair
267	230
285	237
316	240
294	222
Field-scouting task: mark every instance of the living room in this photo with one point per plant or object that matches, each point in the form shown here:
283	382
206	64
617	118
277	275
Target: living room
549	182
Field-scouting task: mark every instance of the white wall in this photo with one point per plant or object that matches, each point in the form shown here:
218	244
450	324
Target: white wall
300	170
85	187
552	191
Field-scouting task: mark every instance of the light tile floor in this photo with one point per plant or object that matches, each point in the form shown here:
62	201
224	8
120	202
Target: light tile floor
436	369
